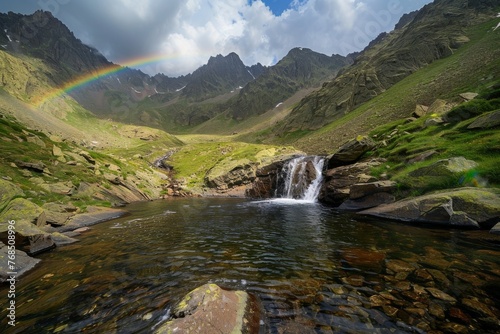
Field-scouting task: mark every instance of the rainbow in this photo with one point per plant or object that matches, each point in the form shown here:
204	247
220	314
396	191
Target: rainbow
96	75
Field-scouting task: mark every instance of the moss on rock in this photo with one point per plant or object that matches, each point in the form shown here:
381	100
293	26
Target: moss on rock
8	191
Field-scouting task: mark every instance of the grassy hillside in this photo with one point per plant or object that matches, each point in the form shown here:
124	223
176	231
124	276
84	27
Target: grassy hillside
437	31
404	144
472	67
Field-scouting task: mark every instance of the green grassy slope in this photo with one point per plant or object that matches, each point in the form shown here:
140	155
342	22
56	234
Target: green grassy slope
473	66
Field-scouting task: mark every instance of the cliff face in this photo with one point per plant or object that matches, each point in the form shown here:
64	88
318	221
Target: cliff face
419	39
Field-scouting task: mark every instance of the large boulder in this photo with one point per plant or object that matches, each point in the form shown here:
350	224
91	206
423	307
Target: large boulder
28	220
209	309
464	207
58	214
338	181
351	152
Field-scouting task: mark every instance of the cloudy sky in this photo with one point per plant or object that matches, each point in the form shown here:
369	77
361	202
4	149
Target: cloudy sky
188	32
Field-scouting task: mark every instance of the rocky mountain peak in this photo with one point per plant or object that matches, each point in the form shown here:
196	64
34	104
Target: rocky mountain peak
220	75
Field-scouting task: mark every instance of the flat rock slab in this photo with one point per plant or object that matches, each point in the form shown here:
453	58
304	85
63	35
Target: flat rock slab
23	263
88	219
465	207
212	310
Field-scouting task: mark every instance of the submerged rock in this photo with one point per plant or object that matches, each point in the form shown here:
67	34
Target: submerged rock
209	309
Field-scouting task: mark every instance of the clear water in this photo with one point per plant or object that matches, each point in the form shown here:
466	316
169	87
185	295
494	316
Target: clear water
125	275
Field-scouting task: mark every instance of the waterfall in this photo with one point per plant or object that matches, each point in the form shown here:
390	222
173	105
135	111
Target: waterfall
301	179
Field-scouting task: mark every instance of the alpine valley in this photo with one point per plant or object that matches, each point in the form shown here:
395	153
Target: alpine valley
406	130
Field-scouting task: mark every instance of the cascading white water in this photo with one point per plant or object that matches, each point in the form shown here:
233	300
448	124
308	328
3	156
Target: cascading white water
301	179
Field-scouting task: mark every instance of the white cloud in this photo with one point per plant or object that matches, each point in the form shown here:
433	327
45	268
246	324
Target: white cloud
189	32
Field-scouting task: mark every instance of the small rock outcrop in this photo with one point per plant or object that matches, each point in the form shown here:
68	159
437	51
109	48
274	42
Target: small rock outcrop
233	174
486	121
463	207
369	195
468	96
209	309
264	185
351	152
29	219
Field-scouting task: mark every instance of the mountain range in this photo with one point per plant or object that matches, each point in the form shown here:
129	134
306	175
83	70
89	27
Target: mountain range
183	99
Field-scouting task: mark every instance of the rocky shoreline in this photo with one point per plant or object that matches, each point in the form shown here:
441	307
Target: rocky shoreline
36	239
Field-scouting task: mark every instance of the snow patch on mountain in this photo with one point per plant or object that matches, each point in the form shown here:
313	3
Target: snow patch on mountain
6	33
251	74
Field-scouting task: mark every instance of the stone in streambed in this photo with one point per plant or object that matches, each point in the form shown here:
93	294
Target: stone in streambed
363	258
210	309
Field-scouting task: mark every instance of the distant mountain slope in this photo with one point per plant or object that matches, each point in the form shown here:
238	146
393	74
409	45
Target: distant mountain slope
300	68
432	33
219	76
42	36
